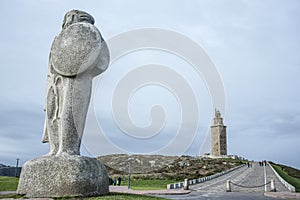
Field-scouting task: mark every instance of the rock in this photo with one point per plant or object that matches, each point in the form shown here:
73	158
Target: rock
63	176
152	163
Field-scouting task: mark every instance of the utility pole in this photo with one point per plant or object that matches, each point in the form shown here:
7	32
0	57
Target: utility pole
16	171
129	172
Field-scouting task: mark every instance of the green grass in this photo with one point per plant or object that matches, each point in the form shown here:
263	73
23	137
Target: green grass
290	171
292	180
11	184
148	184
8	183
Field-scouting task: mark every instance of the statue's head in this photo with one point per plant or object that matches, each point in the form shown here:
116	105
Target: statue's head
75	16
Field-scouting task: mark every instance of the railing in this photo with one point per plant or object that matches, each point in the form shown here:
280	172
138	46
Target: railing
272	182
201	180
286	184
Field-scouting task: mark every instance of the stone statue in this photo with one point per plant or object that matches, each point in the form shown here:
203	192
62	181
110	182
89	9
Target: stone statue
78	54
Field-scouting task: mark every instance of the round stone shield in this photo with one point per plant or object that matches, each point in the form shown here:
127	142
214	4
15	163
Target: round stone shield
76	49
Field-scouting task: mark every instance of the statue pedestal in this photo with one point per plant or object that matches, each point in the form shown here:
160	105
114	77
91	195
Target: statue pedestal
63	175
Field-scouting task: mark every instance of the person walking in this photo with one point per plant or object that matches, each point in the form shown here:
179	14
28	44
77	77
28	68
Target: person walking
119	181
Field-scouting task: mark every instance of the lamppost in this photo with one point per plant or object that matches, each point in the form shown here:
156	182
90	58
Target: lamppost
129	159
16	171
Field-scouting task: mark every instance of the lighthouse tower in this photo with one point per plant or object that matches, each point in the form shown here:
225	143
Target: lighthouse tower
218	136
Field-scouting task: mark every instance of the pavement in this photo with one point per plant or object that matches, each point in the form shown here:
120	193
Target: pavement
7	192
178	193
249	185
124	189
182	194
283	195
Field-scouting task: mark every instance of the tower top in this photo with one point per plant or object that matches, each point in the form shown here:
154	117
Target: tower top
217	113
218	120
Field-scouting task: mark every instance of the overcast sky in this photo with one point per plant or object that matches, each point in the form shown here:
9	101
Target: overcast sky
254	46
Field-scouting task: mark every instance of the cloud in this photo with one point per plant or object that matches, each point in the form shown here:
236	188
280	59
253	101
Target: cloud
20	133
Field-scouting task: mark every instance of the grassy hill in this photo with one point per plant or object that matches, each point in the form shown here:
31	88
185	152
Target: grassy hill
165	167
290	171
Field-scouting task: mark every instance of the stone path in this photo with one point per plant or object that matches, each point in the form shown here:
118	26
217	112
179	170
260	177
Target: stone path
7	192
243	176
256	177
124	189
216	188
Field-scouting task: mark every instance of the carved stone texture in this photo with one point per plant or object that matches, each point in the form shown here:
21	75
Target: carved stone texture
78	54
76	49
63	176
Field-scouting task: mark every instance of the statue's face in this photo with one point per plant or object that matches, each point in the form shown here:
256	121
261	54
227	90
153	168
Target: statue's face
75	16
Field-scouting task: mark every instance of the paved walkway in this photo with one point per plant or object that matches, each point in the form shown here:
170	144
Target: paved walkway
216	188
124	189
283	195
243	176
7	192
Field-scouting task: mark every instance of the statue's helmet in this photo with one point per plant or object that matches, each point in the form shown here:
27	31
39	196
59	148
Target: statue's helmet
75	16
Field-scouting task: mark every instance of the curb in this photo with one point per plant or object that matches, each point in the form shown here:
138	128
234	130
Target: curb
168	193
125	190
7	192
283	195
290	187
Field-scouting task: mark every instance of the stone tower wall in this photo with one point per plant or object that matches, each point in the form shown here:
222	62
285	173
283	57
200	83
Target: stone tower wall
218	136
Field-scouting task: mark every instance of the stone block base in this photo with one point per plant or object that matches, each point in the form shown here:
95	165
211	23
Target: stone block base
63	176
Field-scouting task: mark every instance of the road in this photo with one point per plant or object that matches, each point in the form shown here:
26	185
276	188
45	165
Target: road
244	176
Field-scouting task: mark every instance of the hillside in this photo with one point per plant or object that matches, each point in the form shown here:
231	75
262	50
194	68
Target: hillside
138	163
290	171
165	167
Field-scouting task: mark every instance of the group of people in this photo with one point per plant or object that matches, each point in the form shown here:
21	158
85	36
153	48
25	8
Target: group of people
249	164
115	181
263	163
